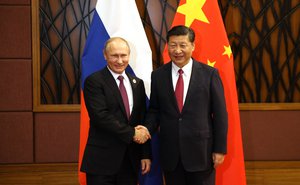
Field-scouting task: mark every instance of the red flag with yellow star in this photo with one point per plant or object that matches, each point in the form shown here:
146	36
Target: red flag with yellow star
212	47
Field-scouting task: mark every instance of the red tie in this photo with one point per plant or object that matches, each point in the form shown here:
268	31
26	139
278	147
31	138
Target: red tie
124	95
179	90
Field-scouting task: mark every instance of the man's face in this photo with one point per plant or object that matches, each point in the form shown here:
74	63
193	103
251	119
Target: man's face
117	56
180	49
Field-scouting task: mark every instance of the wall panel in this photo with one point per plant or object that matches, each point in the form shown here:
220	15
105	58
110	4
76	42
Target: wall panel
16	117
15	31
56	137
16	136
271	135
15	85
14	2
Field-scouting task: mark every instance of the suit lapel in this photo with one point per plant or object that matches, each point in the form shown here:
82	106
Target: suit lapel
111	83
169	84
195	80
133	82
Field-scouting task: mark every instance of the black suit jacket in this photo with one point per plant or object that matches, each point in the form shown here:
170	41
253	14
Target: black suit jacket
110	134
200	129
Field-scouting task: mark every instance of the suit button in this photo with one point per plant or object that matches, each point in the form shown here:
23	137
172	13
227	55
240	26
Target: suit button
180	119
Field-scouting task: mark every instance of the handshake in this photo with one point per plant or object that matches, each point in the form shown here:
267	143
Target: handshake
141	134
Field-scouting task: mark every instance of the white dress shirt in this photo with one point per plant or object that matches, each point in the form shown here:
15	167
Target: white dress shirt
187	71
126	84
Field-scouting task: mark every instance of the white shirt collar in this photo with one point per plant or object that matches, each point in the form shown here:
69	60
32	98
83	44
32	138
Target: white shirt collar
187	69
116	75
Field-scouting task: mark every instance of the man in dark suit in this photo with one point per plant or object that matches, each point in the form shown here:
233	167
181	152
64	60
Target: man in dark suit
187	104
116	104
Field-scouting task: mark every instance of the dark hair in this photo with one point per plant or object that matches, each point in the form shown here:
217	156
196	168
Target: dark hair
181	30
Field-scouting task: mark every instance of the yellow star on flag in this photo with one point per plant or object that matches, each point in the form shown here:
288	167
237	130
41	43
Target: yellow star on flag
212	64
227	51
192	10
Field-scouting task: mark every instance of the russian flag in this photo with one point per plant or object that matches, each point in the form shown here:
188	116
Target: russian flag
117	18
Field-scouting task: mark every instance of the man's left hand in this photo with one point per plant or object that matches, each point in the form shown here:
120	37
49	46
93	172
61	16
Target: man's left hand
145	166
218	159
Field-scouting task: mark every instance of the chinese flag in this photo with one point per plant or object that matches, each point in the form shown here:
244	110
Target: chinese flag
212	47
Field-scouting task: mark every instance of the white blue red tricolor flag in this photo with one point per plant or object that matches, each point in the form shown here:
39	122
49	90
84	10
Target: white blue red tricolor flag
117	18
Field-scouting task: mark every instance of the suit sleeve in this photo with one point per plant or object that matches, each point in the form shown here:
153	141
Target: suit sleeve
99	114
219	114
152	121
146	152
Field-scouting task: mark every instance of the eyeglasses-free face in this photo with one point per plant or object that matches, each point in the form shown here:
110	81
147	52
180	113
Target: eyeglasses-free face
180	49
117	55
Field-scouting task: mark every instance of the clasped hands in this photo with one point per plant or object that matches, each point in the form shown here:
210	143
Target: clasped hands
141	134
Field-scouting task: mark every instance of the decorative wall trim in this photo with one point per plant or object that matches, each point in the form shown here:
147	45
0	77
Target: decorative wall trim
37	105
269	106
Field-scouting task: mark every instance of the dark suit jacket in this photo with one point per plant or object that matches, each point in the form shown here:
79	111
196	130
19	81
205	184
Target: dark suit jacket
111	133
200	129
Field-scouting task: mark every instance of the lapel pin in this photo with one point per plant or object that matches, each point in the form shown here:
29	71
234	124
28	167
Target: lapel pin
134	81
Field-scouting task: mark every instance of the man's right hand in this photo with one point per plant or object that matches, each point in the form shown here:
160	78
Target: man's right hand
141	134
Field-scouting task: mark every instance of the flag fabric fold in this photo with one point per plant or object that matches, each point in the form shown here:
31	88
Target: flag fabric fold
111	19
212	47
